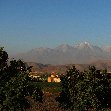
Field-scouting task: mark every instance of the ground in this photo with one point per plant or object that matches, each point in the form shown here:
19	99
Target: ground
49	103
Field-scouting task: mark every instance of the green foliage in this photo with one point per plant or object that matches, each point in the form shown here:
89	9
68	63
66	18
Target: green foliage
51	87
15	84
86	90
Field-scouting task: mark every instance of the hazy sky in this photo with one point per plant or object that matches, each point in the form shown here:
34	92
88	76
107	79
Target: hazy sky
28	24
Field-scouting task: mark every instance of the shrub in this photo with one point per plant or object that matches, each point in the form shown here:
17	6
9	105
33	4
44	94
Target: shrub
85	90
15	84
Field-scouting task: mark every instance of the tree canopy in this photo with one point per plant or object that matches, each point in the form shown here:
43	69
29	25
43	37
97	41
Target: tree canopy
15	84
85	90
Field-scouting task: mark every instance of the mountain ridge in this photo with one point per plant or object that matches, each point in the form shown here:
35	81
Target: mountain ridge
83	53
61	69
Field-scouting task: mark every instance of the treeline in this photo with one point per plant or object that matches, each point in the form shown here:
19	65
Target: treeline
87	90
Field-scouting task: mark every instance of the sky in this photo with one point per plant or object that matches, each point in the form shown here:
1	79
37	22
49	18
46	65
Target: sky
29	24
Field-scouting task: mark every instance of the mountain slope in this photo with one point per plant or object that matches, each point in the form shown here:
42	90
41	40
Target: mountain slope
61	69
83	53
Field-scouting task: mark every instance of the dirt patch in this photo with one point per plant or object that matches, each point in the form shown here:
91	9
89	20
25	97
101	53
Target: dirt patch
49	104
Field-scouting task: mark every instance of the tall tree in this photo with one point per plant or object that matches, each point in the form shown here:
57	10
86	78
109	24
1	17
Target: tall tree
15	84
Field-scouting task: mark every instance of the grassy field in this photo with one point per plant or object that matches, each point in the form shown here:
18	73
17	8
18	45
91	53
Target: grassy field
49	87
52	87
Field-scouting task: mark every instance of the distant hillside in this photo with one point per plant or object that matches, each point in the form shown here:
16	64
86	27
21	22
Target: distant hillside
61	69
103	64
84	53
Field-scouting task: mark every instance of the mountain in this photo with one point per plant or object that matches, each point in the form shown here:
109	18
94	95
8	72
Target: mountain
107	49
83	53
61	69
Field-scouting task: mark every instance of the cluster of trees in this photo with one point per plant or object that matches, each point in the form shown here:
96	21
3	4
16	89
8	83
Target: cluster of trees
86	90
15	85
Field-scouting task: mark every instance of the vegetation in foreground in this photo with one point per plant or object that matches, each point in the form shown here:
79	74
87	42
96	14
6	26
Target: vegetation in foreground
15	85
86	90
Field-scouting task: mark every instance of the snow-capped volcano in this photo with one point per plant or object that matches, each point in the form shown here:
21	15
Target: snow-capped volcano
66	54
84	45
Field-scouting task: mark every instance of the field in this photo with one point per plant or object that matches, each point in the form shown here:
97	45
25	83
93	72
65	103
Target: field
50	87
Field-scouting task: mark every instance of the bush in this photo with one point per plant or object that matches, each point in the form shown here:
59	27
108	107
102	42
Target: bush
85	90
15	84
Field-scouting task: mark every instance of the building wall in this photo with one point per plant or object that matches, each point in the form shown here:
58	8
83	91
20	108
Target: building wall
49	79
53	78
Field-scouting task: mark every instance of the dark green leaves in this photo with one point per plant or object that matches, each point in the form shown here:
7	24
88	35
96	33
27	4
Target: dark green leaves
15	85
86	90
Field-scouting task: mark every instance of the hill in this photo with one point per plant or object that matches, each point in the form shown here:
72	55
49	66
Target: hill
61	69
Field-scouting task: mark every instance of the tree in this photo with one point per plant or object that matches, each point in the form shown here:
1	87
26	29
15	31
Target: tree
85	90
15	84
